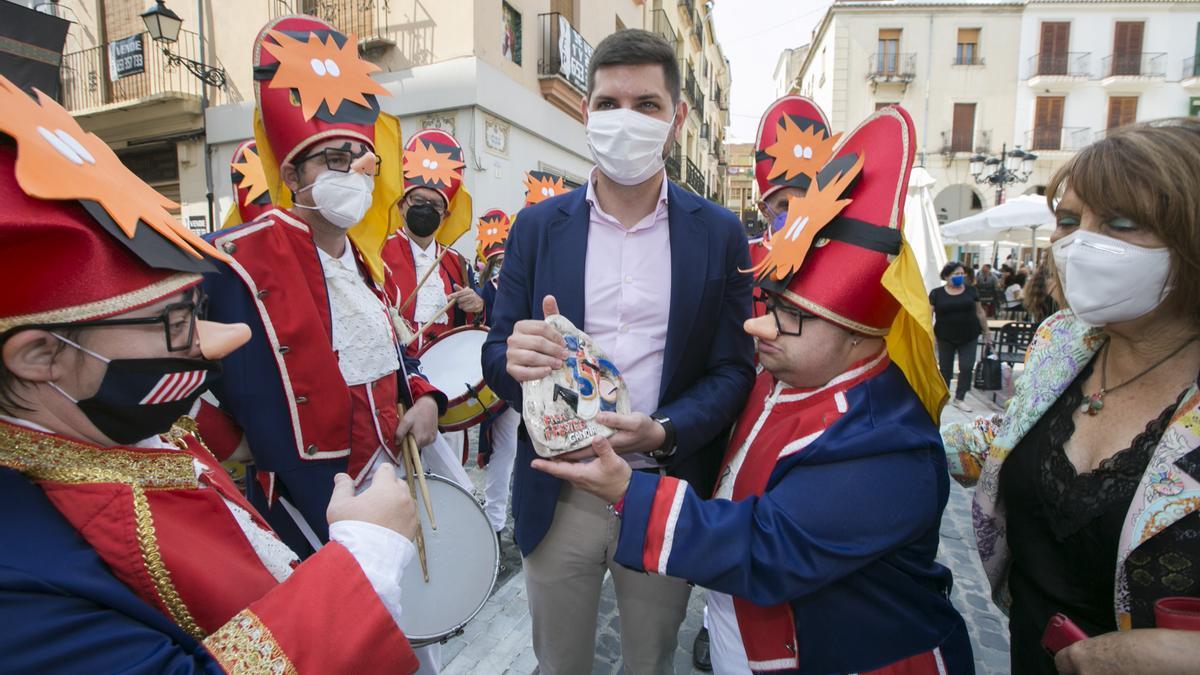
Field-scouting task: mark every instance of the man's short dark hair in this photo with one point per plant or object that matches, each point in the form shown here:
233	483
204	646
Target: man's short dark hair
635	47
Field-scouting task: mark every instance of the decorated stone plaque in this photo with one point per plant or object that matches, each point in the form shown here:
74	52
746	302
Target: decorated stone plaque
560	409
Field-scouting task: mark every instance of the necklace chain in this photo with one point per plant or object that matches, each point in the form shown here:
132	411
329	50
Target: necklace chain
1093	404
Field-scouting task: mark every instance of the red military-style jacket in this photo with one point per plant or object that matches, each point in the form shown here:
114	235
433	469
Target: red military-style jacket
452	271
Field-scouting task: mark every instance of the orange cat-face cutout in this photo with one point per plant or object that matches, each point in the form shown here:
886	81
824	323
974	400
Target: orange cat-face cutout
493	229
57	160
322	72
542	186
423	164
799	151
254	178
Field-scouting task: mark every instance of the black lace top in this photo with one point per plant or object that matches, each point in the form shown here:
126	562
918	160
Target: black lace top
1064	528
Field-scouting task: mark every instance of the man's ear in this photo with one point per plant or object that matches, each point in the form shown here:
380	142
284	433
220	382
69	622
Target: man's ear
583	107
30	355
290	176
681	111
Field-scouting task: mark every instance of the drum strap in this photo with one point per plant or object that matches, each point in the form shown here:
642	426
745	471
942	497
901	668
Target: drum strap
305	529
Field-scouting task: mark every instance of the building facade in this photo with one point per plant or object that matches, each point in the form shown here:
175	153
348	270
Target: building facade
506	77
741	191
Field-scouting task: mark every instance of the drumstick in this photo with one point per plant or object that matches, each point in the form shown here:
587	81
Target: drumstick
440	313
415	453
436	262
420	539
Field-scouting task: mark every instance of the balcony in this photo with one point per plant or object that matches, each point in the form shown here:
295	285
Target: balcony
365	19
1190	77
691	88
694	178
1125	70
686	9
1052	139
961	143
967	60
1058	70
891	69
563	60
698	33
675	163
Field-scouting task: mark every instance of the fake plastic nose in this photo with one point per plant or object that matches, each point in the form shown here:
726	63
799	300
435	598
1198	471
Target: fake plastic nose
217	340
762	327
365	164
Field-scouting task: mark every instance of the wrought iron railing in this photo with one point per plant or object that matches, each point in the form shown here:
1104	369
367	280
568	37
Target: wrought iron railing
563	53
88	82
365	19
675	163
1135	65
694	178
1062	64
892	67
1068	139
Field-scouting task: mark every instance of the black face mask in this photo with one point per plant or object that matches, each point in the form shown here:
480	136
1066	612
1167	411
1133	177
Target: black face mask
139	398
422	220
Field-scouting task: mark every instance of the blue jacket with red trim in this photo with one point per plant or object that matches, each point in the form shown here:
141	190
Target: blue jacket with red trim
845	533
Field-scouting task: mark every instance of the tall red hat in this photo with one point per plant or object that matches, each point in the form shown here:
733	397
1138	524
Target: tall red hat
311	85
542	185
433	159
250	187
838	239
794	141
493	233
81	237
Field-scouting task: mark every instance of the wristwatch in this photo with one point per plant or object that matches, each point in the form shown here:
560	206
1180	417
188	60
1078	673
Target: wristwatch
662	452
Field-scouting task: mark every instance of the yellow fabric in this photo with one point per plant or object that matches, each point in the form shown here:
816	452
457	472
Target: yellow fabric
234	217
281	196
459	220
910	342
382	220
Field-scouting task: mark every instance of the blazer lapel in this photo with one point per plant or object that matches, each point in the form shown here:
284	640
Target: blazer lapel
689	270
567	255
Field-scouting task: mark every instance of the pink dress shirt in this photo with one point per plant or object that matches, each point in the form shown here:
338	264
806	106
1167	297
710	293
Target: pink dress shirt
627	298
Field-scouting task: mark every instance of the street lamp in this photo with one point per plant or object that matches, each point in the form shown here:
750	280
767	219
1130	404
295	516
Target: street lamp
163	26
1003	170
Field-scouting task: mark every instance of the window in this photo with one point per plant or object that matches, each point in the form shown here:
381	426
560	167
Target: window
510	41
1127	48
961	138
1122	110
966	53
1047	123
1056	38
887	60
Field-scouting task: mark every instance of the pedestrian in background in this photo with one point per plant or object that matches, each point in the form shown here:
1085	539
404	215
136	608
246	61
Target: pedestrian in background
959	319
1039	293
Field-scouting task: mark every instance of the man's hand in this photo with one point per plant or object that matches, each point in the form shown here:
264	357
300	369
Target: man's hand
535	348
420	421
468	300
386	502
636	432
607	477
1147	650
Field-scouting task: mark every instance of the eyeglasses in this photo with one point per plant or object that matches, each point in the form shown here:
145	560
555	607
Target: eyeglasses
177	319
420	201
799	315
339	160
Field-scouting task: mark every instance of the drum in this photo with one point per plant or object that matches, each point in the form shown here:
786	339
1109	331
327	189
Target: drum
463	559
452	363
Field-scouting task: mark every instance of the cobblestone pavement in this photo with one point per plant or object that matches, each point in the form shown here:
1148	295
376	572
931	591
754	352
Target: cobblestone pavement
499	639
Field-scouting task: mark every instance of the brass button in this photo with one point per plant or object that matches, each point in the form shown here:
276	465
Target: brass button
229	247
301	399
283	349
311	449
261	294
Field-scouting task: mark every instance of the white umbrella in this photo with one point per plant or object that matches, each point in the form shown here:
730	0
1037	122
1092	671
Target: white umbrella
921	228
1013	220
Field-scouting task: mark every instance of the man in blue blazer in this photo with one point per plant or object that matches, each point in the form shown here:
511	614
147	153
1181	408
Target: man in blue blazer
650	271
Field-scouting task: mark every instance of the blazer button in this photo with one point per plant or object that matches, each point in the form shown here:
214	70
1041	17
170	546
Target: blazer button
283	349
262	293
301	399
229	247
311	449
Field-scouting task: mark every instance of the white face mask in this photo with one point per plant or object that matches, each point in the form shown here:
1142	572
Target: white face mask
628	145
1107	280
341	198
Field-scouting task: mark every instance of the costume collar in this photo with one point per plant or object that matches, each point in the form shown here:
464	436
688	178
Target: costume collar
856	373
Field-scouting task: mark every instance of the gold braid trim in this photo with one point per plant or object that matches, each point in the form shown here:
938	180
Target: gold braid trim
48	457
148	543
246	645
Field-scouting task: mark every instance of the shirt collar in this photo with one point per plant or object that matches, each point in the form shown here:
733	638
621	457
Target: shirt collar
592	201
429	251
346	259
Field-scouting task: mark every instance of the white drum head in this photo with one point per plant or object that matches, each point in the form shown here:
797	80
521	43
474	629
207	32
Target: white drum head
463	562
453	362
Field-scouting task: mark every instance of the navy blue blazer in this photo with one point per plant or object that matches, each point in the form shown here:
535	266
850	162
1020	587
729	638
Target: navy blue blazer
708	365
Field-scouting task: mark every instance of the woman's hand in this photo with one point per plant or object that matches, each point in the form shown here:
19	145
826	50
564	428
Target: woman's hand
1148	650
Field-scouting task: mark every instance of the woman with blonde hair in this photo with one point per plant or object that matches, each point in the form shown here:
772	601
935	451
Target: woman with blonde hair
1089	486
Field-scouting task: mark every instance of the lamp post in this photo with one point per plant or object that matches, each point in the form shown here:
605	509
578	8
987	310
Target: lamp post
163	26
1008	168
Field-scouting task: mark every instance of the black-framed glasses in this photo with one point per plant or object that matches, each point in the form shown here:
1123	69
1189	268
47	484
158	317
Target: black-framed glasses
339	160
421	201
178	320
775	308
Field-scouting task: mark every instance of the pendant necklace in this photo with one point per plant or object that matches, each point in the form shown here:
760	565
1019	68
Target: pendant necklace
1094	403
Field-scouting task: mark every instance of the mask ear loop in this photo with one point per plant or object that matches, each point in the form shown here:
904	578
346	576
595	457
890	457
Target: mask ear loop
85	350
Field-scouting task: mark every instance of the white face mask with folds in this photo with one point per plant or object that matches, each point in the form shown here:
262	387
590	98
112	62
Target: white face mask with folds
1107	280
341	198
627	145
